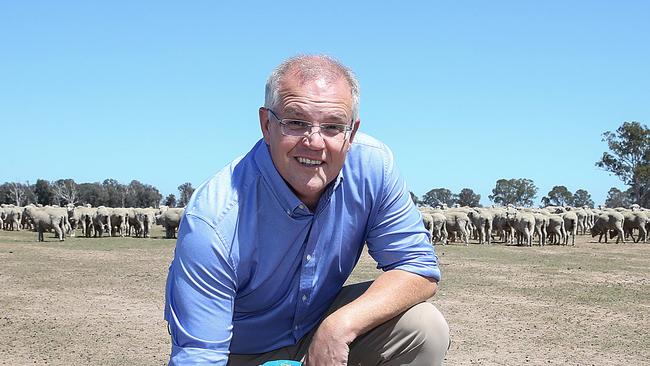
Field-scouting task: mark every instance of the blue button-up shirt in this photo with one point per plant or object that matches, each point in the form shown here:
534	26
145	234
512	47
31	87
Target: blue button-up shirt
255	270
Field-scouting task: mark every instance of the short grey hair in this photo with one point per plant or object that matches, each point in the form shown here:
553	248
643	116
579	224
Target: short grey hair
308	68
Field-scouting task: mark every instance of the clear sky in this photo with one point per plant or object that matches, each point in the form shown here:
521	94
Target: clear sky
464	92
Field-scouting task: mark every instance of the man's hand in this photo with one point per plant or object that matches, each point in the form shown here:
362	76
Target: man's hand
330	344
392	293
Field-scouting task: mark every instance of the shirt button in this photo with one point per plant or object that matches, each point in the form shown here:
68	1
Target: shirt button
304	297
308	257
288	212
295	327
302	207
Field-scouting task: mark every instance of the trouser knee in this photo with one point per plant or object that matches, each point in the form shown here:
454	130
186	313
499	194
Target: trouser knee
428	332
419	336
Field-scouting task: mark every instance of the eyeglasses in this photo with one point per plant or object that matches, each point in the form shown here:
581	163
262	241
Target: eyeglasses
300	128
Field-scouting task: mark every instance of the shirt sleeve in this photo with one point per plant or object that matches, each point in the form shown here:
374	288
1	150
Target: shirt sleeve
397	238
199	298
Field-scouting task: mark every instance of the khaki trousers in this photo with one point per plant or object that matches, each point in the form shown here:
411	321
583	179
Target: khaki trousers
418	337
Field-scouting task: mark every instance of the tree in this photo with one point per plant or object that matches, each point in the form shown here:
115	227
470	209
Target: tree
142	195
185	191
644	186
6	196
65	192
558	196
582	198
518	192
467	197
93	194
545	201
629	159
116	193
618	198
17	193
30	196
150	196
439	196
170	200
43	192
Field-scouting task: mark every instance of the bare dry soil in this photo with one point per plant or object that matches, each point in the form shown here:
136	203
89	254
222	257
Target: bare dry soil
100	302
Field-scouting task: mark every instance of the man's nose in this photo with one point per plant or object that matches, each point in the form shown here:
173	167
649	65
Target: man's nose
314	140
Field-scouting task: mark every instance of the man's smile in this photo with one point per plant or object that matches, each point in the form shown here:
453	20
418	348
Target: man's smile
308	162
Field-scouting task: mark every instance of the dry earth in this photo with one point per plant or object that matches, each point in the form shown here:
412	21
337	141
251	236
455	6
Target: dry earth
100	302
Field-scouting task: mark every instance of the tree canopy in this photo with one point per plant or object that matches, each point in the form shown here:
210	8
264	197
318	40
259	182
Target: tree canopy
170	200
629	158
66	191
467	197
618	198
438	197
185	191
558	196
582	198
43	192
518	192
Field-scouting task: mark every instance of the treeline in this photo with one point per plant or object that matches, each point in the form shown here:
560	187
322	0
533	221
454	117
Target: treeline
521	192
109	193
518	192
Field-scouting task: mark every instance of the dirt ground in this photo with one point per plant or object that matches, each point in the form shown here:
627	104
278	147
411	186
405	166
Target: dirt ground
100	302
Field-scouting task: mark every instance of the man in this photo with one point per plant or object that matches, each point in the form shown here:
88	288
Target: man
265	245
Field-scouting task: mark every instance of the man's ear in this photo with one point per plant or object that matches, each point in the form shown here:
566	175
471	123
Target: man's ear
355	128
265	124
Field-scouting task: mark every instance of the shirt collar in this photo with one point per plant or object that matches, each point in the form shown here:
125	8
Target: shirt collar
279	187
285	196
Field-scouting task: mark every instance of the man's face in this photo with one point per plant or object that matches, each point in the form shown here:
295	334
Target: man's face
309	164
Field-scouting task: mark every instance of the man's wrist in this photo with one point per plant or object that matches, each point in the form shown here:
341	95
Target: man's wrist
342	326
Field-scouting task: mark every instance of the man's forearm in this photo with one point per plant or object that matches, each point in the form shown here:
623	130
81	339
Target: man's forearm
391	294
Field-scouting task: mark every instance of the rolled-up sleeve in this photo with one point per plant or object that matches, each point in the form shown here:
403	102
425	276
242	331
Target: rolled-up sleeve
397	238
199	297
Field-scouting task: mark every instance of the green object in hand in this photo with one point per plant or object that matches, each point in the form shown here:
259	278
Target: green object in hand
282	363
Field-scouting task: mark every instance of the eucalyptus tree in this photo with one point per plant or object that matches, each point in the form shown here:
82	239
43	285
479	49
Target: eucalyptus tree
558	196
439	196
618	198
43	191
629	158
518	192
467	197
170	200
185	191
66	192
582	198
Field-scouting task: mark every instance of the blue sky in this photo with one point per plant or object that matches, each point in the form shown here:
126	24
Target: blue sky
464	92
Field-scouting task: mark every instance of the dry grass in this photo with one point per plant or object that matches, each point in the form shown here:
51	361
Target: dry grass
100	302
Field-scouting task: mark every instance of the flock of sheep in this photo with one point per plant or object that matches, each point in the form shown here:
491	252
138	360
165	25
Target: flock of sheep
93	221
550	225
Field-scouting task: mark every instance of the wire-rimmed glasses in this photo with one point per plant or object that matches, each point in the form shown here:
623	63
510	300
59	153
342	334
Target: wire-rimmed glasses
299	128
